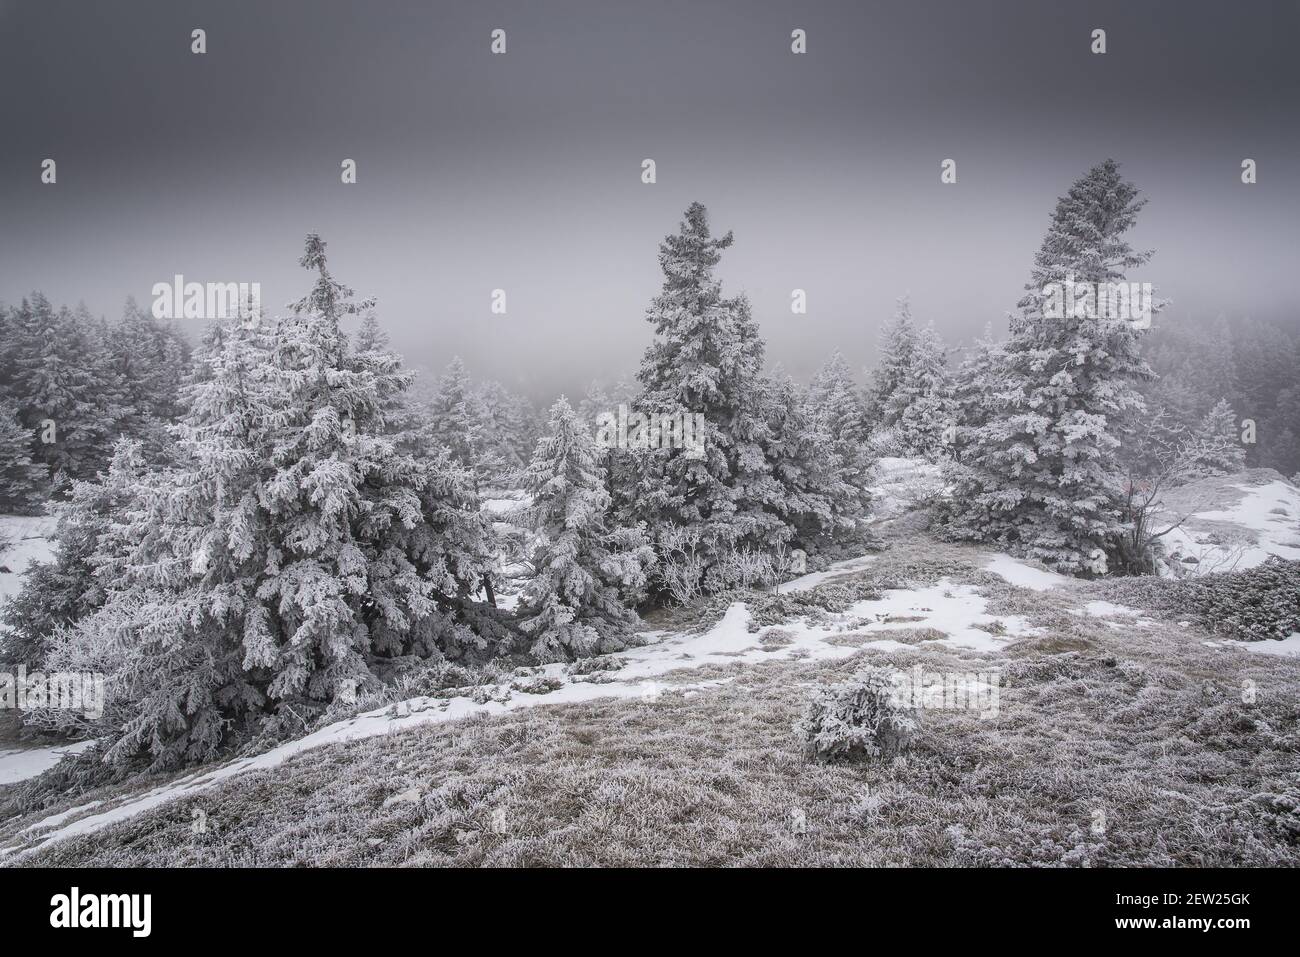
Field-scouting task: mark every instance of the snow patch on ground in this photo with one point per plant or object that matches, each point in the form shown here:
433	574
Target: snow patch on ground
834	570
19	764
1016	572
1288	647
1230	524
23	539
504	506
55	819
1106	609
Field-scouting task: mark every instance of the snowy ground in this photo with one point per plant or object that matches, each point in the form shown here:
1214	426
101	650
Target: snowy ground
943	614
682	751
1288	647
947	614
1231	523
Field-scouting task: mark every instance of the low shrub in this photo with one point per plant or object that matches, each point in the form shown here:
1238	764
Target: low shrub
1253	605
862	718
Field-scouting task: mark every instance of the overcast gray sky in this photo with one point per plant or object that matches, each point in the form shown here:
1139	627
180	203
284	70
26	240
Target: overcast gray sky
522	171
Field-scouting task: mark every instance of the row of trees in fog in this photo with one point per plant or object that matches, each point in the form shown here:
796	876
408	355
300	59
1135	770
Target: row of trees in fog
71	385
280	517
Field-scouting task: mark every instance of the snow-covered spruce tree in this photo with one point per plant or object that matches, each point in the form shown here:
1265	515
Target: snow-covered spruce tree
1282	432
837	399
149	360
595	402
834	392
1216	446
22	482
975	387
1040	475
921	407
370	337
509	429
823	492
148	357
457	421
62	377
706	358
294	539
8	322
1171	416
587	573
601	400
893	368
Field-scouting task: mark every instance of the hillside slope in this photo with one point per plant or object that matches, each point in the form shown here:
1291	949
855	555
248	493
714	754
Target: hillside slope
1118	738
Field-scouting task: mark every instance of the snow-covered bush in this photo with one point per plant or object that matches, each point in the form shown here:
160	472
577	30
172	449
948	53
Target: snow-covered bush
920	490
692	565
864	717
1257	604
741	567
887	443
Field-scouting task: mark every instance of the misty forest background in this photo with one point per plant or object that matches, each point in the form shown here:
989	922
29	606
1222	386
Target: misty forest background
262	522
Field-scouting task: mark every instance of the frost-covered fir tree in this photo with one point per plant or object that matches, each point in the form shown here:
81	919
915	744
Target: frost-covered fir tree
909	400
822	491
836	399
975	388
1217	448
144	354
457	421
1041	475
370	337
148	360
595	402
893	368
8	331
294	540
706	358
587	572
921	407
22	481
65	388
600	399
835	393
509	430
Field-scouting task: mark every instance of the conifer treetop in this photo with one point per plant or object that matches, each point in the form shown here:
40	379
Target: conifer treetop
328	298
